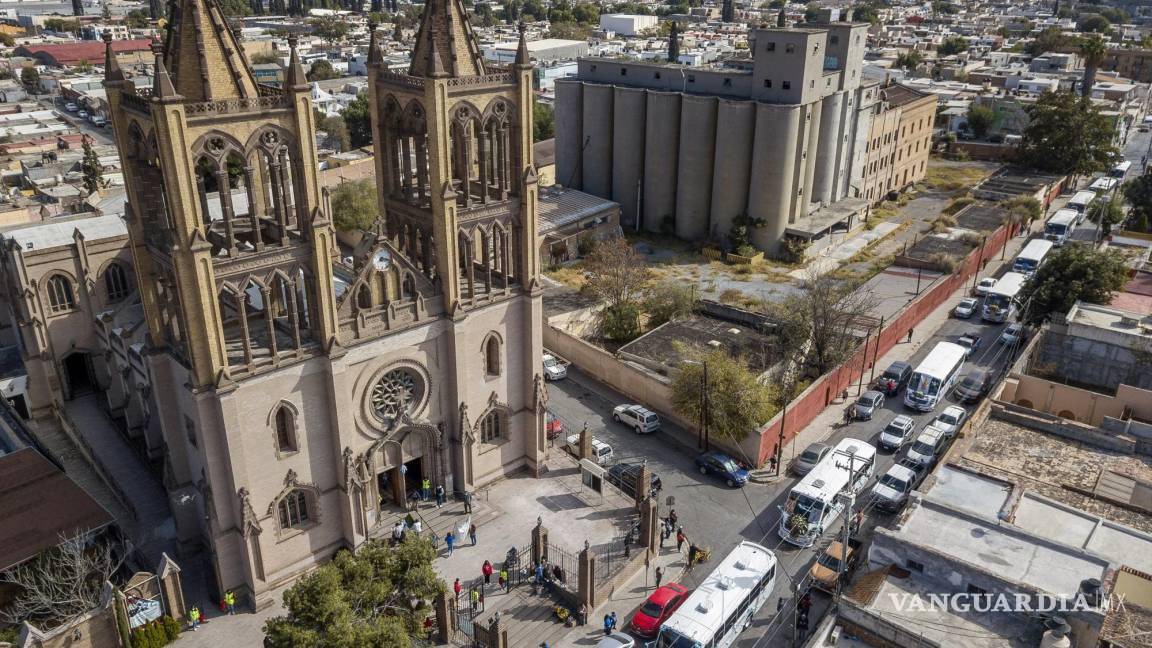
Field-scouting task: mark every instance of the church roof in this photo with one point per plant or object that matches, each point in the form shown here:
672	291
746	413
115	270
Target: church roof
203	56
445	44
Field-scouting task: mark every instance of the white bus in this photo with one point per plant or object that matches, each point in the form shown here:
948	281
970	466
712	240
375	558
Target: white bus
1000	302
1120	170
934	377
1080	204
813	504
723	605
1060	226
1031	257
1103	185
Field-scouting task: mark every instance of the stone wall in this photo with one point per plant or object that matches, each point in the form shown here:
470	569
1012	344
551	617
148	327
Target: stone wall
1094	363
877	631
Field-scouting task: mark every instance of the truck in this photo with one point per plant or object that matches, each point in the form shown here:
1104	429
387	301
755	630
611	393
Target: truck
826	570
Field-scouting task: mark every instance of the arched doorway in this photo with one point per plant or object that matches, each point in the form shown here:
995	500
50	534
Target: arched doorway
402	462
77	370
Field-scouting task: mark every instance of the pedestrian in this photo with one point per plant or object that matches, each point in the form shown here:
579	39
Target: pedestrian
398	532
607	624
909	335
672	517
502	578
583	620
613	620
417	527
806	601
487	571
663	534
472	534
435	541
449	540
539	573
194	617
680	538
692	551
848	415
414	500
230	601
456	587
802	623
425	489
467	501
439	495
772	463
659	576
475	597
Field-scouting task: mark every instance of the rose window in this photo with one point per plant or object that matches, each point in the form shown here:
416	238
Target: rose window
395	394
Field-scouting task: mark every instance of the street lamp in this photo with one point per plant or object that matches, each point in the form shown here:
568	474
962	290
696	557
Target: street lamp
702	439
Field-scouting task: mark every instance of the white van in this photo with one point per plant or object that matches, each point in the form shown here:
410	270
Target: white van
1060	226
1080	204
928	446
601	452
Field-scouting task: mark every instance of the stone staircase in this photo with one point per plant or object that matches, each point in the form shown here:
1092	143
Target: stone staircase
437	520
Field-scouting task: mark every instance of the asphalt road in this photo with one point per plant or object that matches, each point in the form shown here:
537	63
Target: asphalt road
719	517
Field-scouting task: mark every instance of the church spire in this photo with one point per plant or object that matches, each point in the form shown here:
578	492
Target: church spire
522	56
781	18
112	71
446	34
374	54
204	57
162	87
674	43
296	79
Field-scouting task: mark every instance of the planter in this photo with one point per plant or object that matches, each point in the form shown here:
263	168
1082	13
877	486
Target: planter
743	260
713	253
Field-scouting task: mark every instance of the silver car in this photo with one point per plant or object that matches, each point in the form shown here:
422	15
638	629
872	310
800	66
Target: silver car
808	459
867	405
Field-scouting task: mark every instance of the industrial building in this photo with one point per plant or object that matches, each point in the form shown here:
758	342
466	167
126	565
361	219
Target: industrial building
779	137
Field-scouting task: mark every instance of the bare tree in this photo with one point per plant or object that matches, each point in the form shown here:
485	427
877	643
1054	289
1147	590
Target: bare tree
616	274
62	582
825	320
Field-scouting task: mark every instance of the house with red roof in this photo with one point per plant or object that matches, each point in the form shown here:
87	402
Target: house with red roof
128	52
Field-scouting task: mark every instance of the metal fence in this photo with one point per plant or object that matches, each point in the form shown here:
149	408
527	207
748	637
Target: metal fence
612	557
469	604
560	569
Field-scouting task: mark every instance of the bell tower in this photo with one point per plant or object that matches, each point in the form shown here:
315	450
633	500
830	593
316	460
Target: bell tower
233	252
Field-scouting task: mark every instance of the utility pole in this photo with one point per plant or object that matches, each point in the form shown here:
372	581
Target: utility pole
854	464
706	416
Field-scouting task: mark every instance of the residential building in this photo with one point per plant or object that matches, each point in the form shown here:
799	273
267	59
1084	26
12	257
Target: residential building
627	24
899	140
1135	63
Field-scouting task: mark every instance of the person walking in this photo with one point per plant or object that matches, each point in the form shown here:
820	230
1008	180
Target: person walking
607	624
450	541
467	501
692	551
487	571
472	534
663	534
539	573
475	597
583	615
680	538
194	617
439	495
425	489
230	601
613	620
672	517
417	527
659	576
456	587
909	335
502	578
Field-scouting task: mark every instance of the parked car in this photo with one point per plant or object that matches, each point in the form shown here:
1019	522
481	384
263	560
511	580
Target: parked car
722	466
894	378
641	419
617	640
966	308
950	420
928	446
601	452
972	386
897	433
623	476
554	368
98	121
808	459
83	114
827	569
985	284
970	342
553	426
656	610
71	107
867	405
1012	334
891	491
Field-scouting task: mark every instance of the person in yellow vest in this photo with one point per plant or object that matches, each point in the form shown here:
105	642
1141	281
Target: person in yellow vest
426	489
230	601
194	617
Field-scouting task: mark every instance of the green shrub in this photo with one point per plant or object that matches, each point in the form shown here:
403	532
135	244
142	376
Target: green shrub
171	627
585	244
620	323
792	249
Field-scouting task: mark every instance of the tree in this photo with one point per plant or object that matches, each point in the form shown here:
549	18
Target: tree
330	28
737	402
543	122
827	317
483	16
61	25
337	131
909	60
321	70
1106	214
30	77
1066	134
1093	51
952	45
63	582
137	19
668	300
1093	23
1072	273
360	599
980	119
263	58
354	205
358	120
1022	210
586	13
616	277
6	40
569	30
1051	39
1138	193
811	12
90	166
866	12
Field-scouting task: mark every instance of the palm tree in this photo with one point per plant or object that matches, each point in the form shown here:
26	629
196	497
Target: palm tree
1094	51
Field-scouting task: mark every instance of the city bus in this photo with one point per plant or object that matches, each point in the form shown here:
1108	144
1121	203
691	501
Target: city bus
1120	170
723	605
813	504
1080	204
1000	301
1031	257
1060	226
1102	186
935	376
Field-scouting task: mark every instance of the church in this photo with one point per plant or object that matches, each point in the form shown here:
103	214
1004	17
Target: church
303	385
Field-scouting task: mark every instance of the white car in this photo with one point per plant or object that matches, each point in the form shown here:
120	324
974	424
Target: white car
1012	334
892	489
601	452
71	107
950	420
639	418
897	433
966	308
83	114
986	284
554	368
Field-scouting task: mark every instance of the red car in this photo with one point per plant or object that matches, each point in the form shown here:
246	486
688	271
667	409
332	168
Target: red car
656	610
553	425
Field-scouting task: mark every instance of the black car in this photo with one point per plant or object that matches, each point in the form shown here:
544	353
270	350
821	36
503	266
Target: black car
894	378
973	386
623	476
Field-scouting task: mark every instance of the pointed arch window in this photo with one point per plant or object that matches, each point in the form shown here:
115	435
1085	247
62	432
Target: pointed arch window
115	282
61	297
492	427
492	356
294	510
285	422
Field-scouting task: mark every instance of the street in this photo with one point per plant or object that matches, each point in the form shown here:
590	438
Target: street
718	517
